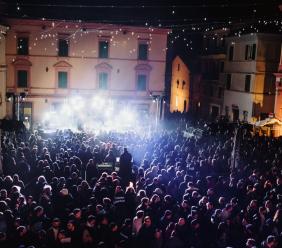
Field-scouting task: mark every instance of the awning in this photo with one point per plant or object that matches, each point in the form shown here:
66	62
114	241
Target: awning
268	122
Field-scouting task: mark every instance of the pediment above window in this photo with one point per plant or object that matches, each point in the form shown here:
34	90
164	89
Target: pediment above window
104	66
62	64
22	62
143	67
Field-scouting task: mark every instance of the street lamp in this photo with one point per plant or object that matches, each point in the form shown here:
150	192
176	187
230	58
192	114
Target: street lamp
15	99
158	99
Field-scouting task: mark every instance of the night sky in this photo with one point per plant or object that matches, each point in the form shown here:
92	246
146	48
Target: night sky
168	13
187	19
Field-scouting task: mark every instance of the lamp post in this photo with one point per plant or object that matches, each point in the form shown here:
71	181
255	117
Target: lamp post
158	99
15	100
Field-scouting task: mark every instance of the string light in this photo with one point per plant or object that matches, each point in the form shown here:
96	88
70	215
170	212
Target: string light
181	31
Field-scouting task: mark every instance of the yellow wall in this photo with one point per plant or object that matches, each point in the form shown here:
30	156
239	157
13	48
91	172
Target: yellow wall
261	97
179	94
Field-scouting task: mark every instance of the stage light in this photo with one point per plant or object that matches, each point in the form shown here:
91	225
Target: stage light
98	102
109	112
66	109
104	114
23	95
127	117
77	102
9	96
47	116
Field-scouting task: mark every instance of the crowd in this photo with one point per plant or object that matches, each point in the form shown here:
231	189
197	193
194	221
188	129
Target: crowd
166	190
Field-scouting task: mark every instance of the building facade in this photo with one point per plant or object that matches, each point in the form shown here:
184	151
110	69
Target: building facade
3	68
207	90
248	76
180	86
51	61
278	95
211	65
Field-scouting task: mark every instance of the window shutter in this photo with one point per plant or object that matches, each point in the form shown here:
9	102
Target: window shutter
62	79
246	52
22	79
254	51
143	52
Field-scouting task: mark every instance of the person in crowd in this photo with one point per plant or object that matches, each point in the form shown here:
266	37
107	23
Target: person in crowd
146	233
125	169
179	190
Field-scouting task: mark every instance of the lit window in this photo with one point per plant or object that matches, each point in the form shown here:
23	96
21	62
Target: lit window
103	49
141	82
22	78
22	46
143	51
62	79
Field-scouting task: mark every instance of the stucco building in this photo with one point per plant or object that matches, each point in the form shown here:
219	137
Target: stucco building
3	68
278	95
211	67
248	76
50	61
180	86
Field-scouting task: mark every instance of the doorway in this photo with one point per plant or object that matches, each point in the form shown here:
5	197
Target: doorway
214	112
25	114
235	112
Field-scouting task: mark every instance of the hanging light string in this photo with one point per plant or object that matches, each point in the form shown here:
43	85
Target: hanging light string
144	6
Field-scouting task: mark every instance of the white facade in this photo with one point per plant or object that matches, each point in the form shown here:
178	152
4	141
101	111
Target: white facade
84	63
248	76
2	72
